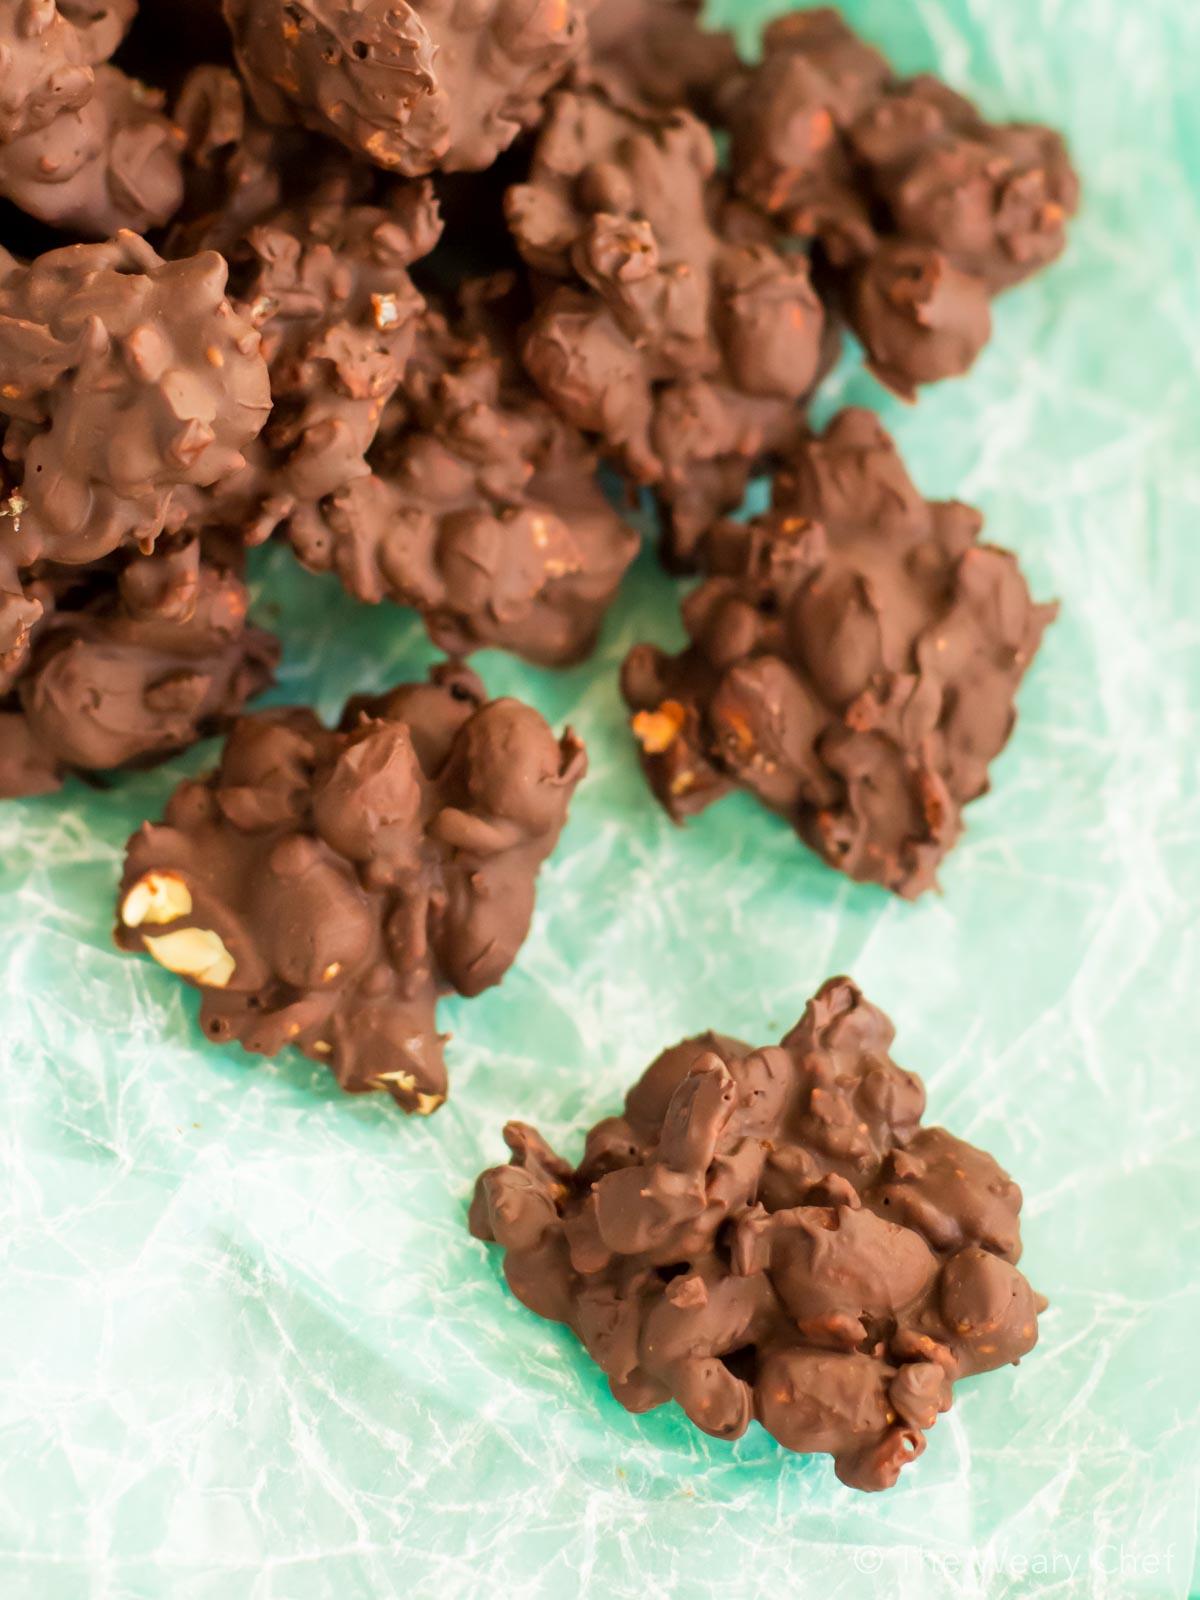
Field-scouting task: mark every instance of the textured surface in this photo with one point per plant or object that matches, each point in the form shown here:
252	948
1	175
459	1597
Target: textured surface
248	1349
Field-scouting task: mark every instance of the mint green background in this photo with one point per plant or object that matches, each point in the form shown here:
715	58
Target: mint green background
247	1350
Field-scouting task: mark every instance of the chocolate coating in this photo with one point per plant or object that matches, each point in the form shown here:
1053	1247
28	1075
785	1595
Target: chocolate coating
82	146
126	664
789	118
322	889
327	286
443	84
853	661
407	451
241	171
921	208
994	199
771	1234
129	382
683	345
482	511
659	53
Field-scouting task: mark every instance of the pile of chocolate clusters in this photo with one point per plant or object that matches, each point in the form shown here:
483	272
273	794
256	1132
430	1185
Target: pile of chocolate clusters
388	284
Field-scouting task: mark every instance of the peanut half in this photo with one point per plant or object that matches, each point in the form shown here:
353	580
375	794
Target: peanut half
158	897
195	953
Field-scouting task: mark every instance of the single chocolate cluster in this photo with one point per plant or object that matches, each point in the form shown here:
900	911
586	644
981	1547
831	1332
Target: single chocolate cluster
82	146
128	383
920	208
853	661
128	387
123	663
327	287
668	325
413	88
772	1235
482	510
323	889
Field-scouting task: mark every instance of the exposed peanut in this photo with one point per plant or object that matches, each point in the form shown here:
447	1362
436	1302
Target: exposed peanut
657	731
157	898
196	953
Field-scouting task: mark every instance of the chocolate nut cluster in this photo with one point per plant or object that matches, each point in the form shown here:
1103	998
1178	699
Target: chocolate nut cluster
407	451
125	662
853	658
482	510
128	386
326	286
413	88
82	146
128	382
324	888
683	347
772	1235
921	209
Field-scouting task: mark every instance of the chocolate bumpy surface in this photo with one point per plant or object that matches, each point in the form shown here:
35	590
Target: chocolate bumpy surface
442	84
669	326
323	888
853	660
481	510
130	383
407	451
123	663
922	210
82	146
771	1234
326	285
240	171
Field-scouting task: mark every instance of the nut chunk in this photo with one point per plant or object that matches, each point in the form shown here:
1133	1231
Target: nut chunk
442	84
323	889
854	656
682	342
128	381
771	1234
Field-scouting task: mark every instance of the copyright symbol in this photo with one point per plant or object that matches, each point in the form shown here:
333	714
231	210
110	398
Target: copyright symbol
867	1559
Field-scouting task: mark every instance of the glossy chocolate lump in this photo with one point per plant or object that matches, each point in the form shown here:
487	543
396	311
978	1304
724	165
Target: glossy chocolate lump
442	84
128	383
853	660
82	146
683	343
123	663
922	209
322	889
482	510
772	1235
